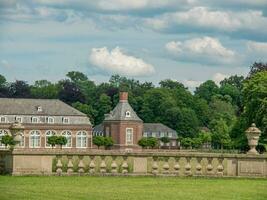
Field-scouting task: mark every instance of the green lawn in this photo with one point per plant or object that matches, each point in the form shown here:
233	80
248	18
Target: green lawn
48	188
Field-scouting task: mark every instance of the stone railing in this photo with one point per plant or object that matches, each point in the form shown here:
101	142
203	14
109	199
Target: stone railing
139	163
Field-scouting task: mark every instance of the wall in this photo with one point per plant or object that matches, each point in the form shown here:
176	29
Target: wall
138	163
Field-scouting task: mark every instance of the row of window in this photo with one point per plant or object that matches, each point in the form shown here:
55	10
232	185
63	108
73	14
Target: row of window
159	134
49	120
35	138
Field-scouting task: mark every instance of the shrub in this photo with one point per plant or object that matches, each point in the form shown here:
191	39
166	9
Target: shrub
165	140
108	142
186	142
98	141
61	140
52	140
8	140
143	142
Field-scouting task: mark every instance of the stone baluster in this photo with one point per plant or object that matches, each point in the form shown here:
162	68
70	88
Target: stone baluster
220	167
114	166
70	166
176	167
81	166
188	167
59	166
92	166
103	166
125	166
155	167
209	166
166	166
199	167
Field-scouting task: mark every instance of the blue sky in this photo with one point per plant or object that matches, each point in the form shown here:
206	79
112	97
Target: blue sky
150	40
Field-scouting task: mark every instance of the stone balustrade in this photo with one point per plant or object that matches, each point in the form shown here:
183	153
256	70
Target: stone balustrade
60	163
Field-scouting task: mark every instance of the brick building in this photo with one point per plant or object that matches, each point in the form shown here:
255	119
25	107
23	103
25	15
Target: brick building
41	118
126	128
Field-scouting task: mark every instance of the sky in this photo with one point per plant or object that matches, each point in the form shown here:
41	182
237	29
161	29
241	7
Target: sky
190	41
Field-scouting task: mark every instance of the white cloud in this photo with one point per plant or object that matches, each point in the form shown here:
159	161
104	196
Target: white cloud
115	61
257	47
191	83
204	17
201	49
218	77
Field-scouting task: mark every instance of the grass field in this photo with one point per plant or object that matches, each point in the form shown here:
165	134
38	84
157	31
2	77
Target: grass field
90	188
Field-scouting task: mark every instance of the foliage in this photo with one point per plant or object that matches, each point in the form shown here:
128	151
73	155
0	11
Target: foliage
52	140
108	142
61	140
220	134
165	140
8	140
98	141
257	67
148	142
187	142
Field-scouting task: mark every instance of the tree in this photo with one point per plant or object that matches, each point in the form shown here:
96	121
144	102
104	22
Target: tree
186	142
98	141
61	140
8	140
108	142
52	140
257	67
148	142
69	92
76	76
165	140
103	107
19	89
3	87
171	84
220	134
44	89
143	142
86	109
206	90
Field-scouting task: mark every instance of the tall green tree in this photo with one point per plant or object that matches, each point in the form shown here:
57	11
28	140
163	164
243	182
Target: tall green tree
206	90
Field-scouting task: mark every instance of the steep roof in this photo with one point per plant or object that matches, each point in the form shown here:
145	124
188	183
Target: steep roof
157	127
119	113
53	107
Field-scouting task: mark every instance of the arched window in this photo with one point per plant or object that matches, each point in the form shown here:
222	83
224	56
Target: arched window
67	134
35	139
2	133
22	139
81	139
47	135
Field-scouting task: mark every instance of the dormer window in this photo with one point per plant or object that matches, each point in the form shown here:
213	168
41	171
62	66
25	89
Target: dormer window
39	108
65	120
128	114
3	119
50	120
35	120
18	119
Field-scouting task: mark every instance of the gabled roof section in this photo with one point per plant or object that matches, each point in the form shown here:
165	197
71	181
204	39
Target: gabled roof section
157	127
52	107
123	111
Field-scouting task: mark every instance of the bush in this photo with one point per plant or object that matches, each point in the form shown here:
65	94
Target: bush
61	140
108	142
8	140
149	142
98	141
52	140
186	142
165	140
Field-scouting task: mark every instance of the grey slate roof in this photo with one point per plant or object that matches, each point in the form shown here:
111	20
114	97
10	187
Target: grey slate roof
157	127
98	128
119	113
51	107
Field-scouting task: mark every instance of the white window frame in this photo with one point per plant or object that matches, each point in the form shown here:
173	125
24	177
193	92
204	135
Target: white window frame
127	113
37	118
170	134
19	119
162	134
2	133
5	119
50	118
129	142
65	118
65	134
48	134
22	140
33	135
81	135
39	108
145	134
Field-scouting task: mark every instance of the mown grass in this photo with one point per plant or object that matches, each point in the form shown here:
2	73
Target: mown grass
108	188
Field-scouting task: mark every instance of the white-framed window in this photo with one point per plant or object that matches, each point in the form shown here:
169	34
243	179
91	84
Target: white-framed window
50	120
129	136
65	120
81	139
128	114
145	134
67	135
35	139
161	134
22	140
154	134
47	135
2	133
3	119
35	120
19	119
169	135
173	143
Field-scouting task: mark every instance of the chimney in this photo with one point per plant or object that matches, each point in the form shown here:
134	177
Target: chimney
123	96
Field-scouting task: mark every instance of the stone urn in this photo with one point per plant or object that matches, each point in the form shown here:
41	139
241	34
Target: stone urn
253	135
16	128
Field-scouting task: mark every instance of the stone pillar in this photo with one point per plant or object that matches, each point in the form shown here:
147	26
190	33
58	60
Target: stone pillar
253	135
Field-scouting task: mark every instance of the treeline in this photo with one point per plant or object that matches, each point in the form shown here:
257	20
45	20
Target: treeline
223	112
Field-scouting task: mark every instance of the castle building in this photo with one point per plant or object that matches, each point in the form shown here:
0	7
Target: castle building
42	118
126	128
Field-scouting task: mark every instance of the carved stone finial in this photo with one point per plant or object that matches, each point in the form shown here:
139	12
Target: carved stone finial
253	135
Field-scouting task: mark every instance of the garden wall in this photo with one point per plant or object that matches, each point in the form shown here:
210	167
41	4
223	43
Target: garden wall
178	163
